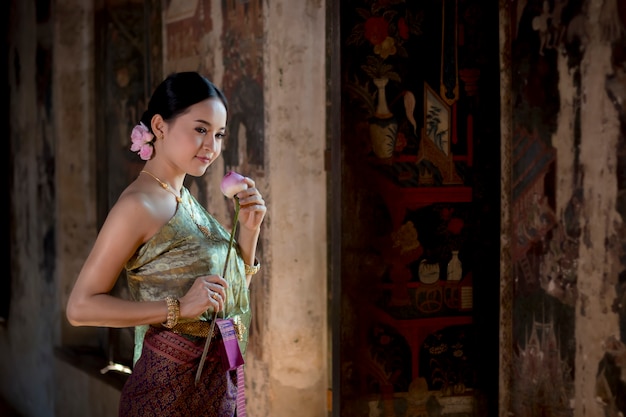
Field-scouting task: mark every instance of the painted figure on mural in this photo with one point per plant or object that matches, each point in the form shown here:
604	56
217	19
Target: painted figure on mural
549	26
188	278
541	23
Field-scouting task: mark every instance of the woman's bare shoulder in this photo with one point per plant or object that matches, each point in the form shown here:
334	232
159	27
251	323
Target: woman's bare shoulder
143	208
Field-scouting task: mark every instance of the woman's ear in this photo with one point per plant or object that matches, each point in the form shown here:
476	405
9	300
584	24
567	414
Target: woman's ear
158	126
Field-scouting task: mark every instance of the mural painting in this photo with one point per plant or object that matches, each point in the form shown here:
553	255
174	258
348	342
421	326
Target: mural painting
547	233
413	134
545	245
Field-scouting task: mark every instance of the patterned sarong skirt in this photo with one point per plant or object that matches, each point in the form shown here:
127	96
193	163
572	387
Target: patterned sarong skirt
162	383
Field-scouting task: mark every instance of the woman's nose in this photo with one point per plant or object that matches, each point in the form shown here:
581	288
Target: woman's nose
210	142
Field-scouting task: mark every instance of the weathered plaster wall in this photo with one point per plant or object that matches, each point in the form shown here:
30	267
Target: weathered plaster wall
75	178
576	268
506	275
286	363
295	345
53	202
26	343
599	255
76	392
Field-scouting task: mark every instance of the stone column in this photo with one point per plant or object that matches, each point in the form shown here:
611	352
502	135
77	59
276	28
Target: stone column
288	375
598	263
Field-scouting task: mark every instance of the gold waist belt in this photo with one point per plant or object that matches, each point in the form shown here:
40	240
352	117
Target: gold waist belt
202	328
194	328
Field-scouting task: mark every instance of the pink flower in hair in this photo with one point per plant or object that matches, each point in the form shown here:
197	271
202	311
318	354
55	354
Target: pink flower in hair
141	139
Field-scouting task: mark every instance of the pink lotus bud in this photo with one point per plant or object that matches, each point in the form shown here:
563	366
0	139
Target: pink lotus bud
232	183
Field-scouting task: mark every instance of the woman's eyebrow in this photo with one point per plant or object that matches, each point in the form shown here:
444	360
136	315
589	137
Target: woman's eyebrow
209	124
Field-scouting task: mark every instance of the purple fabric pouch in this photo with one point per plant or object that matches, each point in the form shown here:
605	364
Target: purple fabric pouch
229	348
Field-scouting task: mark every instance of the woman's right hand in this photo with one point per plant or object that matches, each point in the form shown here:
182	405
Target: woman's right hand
206	294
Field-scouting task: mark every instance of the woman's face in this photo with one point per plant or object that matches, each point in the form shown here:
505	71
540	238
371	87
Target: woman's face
194	139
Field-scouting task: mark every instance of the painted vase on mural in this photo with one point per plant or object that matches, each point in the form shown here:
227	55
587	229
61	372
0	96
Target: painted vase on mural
455	268
428	272
383	125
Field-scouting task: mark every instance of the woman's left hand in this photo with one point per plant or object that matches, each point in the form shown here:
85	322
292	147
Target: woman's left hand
252	206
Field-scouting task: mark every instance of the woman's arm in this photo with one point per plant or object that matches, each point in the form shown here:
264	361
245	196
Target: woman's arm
133	220
129	223
251	214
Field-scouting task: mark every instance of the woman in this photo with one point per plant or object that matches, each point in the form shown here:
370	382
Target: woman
173	253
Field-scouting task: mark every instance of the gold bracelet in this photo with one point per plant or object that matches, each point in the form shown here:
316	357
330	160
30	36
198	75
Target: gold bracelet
251	270
173	312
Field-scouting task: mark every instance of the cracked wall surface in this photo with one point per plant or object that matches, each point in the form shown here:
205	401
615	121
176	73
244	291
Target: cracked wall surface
565	293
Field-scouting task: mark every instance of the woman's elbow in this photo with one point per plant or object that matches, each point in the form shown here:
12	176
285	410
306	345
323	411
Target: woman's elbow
73	313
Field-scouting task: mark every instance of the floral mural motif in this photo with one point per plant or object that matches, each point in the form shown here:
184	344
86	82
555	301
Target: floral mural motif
446	363
443	229
437	121
416	154
386	27
379	37
390	359
405	239
394	57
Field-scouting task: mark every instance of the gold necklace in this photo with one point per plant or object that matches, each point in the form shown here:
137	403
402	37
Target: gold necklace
165	185
205	231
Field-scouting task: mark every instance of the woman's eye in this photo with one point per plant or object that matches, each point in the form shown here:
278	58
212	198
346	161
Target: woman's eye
220	135
201	130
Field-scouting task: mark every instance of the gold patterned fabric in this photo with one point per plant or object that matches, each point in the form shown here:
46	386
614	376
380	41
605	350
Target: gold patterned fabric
168	264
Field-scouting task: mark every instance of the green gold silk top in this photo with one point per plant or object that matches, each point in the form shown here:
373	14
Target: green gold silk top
169	262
